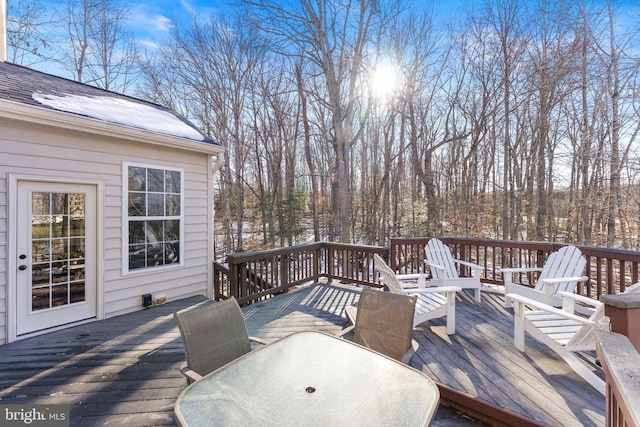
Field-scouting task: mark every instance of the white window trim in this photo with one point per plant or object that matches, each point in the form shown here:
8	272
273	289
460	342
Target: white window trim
125	220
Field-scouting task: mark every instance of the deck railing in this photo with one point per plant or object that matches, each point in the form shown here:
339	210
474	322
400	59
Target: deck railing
609	270
254	276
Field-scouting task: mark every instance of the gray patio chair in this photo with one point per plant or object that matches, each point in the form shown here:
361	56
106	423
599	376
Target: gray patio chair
384	323
213	334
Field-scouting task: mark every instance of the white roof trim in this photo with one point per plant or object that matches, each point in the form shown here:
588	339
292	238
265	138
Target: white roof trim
11	110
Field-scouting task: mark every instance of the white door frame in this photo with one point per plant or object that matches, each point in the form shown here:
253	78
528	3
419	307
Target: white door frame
12	255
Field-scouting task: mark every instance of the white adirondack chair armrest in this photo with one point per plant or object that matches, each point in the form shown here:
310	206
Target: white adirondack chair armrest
433	289
508	278
434	265
410	276
420	278
551	282
469	264
556	280
519	269
581	298
547	308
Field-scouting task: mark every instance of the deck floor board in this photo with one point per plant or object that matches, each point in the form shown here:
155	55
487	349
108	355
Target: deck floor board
124	371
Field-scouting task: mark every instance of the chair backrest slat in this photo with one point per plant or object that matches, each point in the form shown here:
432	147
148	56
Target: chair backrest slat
566	262
387	275
438	253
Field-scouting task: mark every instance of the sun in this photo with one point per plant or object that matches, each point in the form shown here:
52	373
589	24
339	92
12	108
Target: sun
384	80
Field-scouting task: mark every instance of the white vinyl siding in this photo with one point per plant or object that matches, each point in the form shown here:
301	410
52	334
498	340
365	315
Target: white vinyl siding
46	152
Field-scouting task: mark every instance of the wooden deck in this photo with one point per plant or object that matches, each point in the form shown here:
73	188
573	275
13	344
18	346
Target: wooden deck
123	371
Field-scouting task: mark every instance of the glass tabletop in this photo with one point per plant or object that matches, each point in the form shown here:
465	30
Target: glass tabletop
311	379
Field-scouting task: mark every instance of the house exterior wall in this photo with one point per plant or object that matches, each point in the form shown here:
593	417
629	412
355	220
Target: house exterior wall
34	150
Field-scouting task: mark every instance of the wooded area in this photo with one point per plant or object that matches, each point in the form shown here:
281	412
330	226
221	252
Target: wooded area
508	119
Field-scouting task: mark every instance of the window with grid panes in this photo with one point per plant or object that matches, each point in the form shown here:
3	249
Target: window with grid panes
154	216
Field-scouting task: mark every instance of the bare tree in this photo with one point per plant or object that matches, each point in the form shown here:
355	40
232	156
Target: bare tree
428	100
99	48
27	40
277	126
486	120
311	164
336	38
503	16
614	80
113	51
586	132
611	75
552	57
215	61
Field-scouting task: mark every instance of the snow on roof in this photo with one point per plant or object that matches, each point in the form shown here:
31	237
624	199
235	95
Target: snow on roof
121	111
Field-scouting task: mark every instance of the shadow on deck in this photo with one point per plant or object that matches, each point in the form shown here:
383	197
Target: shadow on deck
124	370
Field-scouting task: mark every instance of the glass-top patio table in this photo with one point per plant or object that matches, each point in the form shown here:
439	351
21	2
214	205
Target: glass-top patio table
310	379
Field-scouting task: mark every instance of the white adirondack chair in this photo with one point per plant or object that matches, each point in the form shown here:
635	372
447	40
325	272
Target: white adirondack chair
562	330
432	302
560	273
443	268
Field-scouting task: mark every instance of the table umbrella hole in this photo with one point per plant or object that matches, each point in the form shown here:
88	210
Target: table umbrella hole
310	389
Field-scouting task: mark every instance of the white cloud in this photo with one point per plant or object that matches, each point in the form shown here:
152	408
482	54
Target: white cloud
188	7
150	44
150	21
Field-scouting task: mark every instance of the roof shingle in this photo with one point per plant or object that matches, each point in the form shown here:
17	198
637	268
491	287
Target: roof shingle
19	84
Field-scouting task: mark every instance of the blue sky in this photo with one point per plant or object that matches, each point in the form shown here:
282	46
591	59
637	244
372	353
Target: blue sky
152	20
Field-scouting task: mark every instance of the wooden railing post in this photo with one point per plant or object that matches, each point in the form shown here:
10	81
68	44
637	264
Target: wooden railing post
621	364
624	312
392	255
540	258
317	253
217	284
462	254
330	262
233	279
284	270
